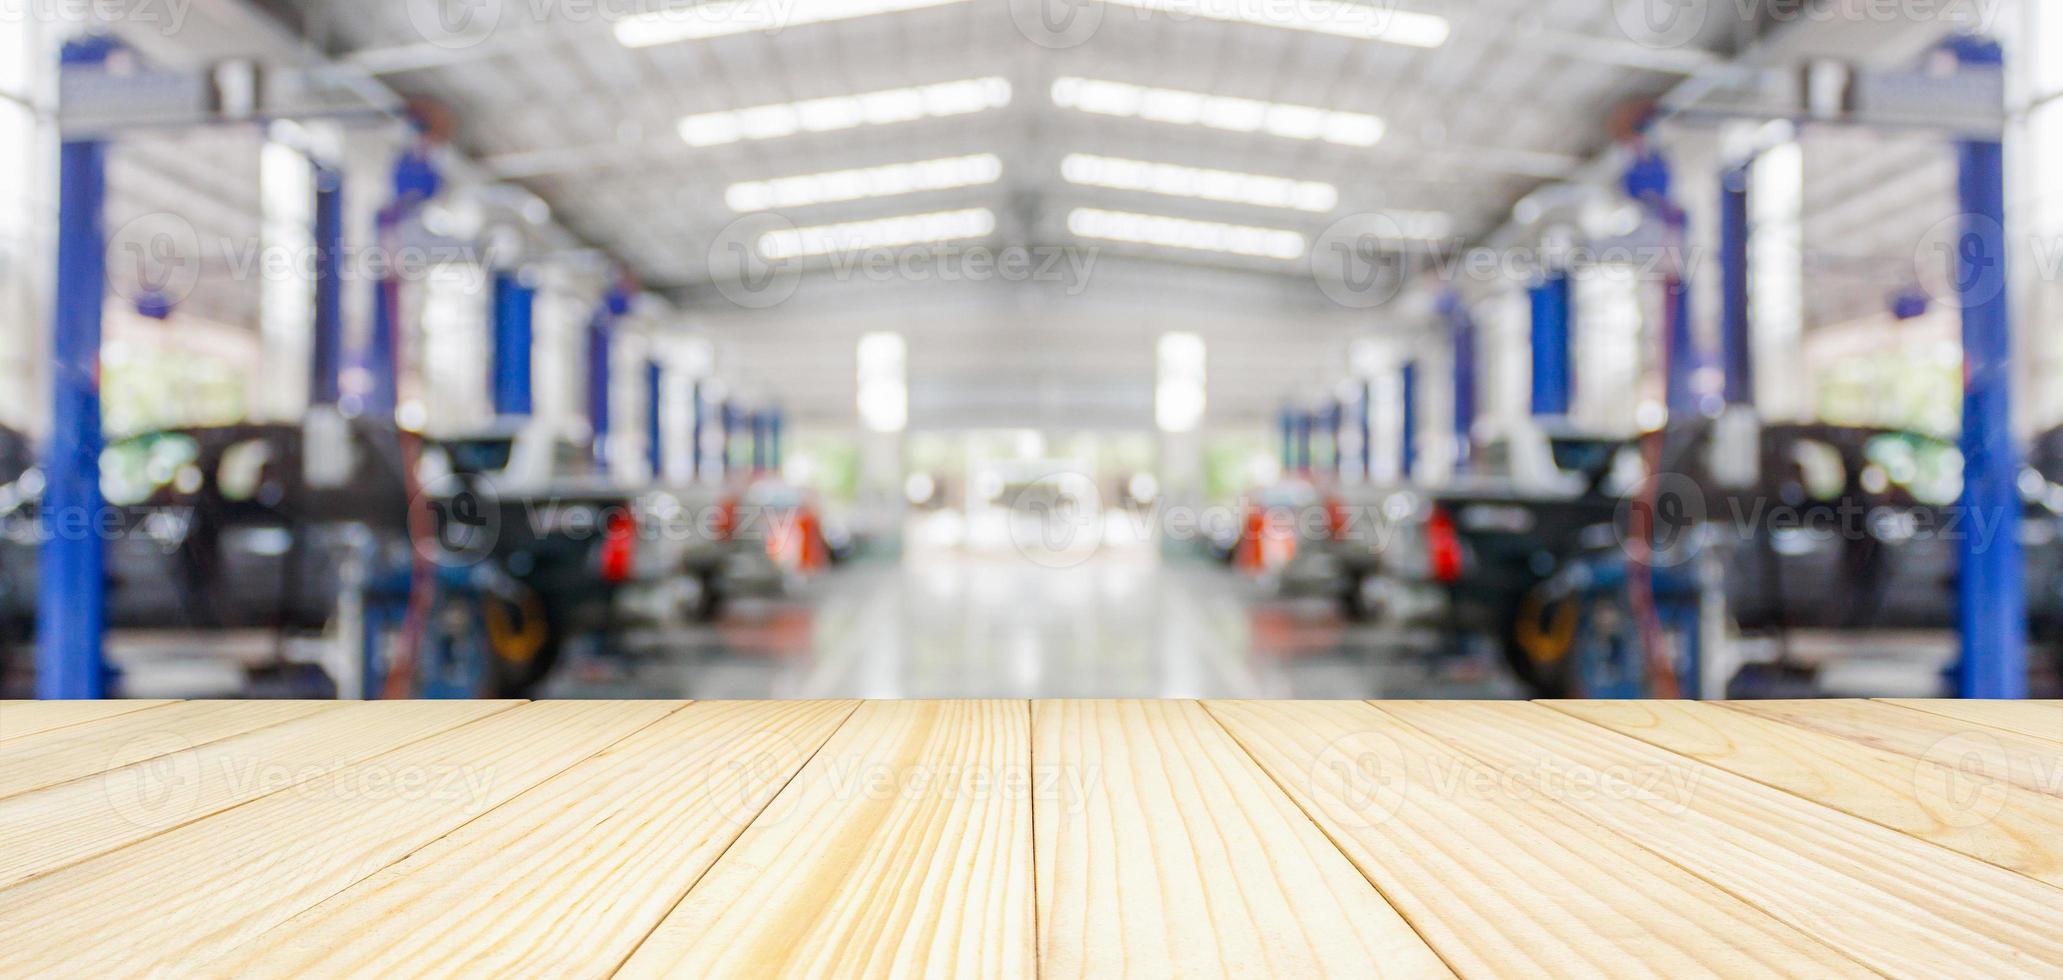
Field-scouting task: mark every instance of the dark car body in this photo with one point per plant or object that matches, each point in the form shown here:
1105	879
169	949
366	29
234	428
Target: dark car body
215	527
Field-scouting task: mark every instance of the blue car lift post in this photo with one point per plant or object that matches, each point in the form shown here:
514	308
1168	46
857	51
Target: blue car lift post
1553	365
1462	328
1990	591
514	300
71	602
1407	442
1991	596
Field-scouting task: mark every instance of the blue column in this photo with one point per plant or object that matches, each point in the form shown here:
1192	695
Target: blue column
1992	599
758	421
513	303
1407	448
1464	385
415	180
598	387
695	466
71	602
1367	423
774	424
1681	353
655	421
381	348
327	359
1553	374
1335	418
1736	350
727	416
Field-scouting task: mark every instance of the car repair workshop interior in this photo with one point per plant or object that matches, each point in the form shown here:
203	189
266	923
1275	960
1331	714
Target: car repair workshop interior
950	349
1031	488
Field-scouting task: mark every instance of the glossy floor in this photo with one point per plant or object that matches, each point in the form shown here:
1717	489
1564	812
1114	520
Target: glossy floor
950	624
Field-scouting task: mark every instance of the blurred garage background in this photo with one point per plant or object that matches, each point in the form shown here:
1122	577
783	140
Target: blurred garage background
948	348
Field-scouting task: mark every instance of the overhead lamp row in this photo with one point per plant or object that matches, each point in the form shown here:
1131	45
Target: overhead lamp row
936	227
1340	18
1284	120
944	173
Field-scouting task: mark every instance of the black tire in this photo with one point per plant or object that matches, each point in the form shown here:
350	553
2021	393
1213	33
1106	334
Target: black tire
519	677
1554	679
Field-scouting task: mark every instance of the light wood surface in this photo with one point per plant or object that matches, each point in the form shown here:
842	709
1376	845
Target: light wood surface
1013	838
1935	794
1505	883
902	848
73	751
29	717
2040	719
1163	850
1899	905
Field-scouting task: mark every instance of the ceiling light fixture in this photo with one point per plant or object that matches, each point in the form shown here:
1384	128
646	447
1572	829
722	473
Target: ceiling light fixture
866	182
894	105
1203	236
693	22
1341	18
896	232
1176	180
1167	105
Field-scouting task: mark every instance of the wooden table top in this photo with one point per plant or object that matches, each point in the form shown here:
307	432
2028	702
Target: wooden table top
1012	838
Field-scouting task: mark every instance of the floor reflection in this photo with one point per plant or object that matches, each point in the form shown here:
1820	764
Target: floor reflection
947	623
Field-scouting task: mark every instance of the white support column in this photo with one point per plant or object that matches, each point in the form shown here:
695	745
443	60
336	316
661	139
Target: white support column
286	303
1776	281
28	218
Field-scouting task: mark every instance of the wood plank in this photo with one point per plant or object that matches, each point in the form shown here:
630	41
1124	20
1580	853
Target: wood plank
1164	850
1979	752
59	825
58	755
190	894
567	878
902	848
1949	805
1900	905
1505	884
18	718
2040	719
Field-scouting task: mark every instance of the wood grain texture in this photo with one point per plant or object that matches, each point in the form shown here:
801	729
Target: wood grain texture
57	755
1940	800
903	848
1900	905
58	825
1982	752
19	718
1163	850
2039	719
1505	883
566	879
172	902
